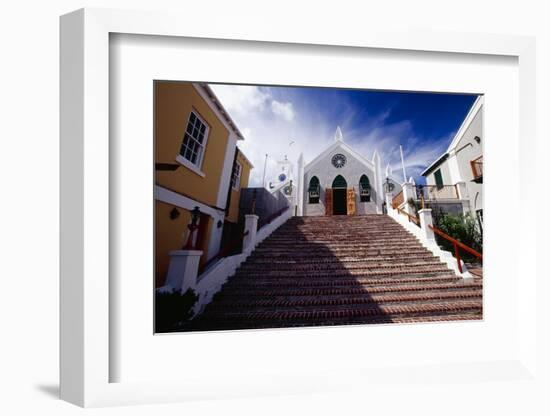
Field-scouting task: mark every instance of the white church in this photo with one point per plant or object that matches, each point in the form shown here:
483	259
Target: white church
339	181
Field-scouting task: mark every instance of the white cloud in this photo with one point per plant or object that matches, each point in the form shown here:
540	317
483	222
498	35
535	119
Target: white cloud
265	125
241	99
285	110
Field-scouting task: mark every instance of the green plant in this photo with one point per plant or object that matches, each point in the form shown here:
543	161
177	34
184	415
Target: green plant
172	308
462	228
414	204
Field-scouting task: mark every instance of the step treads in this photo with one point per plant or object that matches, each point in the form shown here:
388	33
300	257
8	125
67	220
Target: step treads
366	298
343	290
345	312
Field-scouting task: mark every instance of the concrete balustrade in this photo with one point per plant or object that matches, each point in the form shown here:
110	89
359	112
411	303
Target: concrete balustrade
184	264
427	237
408	193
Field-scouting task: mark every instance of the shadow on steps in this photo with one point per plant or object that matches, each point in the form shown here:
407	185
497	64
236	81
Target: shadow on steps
319	271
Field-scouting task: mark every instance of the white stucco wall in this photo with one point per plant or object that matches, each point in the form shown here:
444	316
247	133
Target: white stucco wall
467	150
457	167
352	172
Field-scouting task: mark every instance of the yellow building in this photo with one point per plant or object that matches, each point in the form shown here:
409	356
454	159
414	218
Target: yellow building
197	164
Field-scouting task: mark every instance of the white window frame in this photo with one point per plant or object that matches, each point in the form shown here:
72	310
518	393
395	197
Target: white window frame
237	185
195	167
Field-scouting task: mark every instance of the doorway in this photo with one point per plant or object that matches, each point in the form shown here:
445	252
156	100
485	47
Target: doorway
339	196
339	201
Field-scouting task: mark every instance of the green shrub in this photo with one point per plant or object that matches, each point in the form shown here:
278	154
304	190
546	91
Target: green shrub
462	228
173	308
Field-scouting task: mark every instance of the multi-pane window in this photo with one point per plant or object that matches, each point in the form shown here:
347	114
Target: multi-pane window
314	190
236	176
364	189
438	179
194	140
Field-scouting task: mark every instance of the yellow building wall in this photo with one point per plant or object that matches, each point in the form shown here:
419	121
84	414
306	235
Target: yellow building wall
171	234
233	215
173	103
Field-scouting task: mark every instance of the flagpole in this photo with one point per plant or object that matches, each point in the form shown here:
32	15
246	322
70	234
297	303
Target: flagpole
265	165
403	164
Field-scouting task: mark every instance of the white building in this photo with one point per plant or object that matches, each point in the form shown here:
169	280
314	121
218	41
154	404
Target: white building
461	166
339	181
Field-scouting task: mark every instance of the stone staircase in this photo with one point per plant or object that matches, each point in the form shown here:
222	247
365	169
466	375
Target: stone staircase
340	270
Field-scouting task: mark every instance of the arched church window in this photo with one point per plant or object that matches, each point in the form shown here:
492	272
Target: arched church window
314	190
364	189
339	182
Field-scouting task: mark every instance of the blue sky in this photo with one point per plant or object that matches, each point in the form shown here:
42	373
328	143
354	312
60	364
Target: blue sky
288	121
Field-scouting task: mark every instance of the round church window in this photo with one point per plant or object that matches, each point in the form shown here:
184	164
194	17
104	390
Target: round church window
338	160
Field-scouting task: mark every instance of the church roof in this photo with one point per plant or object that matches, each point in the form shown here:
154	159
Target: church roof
476	106
339	143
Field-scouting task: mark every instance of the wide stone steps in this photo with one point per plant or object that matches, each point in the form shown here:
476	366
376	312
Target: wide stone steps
336	253
340	270
291	281
307	302
261	291
337	266
298	261
342	315
386	270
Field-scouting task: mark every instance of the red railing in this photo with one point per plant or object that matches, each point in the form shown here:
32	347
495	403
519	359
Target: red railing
232	245
477	167
457	244
411	218
397	200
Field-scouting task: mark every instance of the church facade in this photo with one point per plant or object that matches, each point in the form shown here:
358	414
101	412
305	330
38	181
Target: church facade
339	181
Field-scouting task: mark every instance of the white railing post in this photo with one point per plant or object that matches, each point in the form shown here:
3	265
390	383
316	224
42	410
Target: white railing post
389	201
250	229
408	193
462	190
183	270
425	223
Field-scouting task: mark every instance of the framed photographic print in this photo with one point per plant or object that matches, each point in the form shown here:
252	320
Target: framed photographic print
275	214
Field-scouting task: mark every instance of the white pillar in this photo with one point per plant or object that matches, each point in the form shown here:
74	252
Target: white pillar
183	269
389	200
426	221
378	186
462	190
300	186
250	226
408	193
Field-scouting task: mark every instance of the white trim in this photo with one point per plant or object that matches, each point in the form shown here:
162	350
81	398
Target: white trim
184	162
216	106
227	169
237	185
202	155
474	109
246	159
173	198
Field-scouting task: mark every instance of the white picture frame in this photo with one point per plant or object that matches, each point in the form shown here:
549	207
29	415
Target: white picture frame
85	216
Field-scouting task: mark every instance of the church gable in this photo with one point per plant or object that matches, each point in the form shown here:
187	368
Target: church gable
339	161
